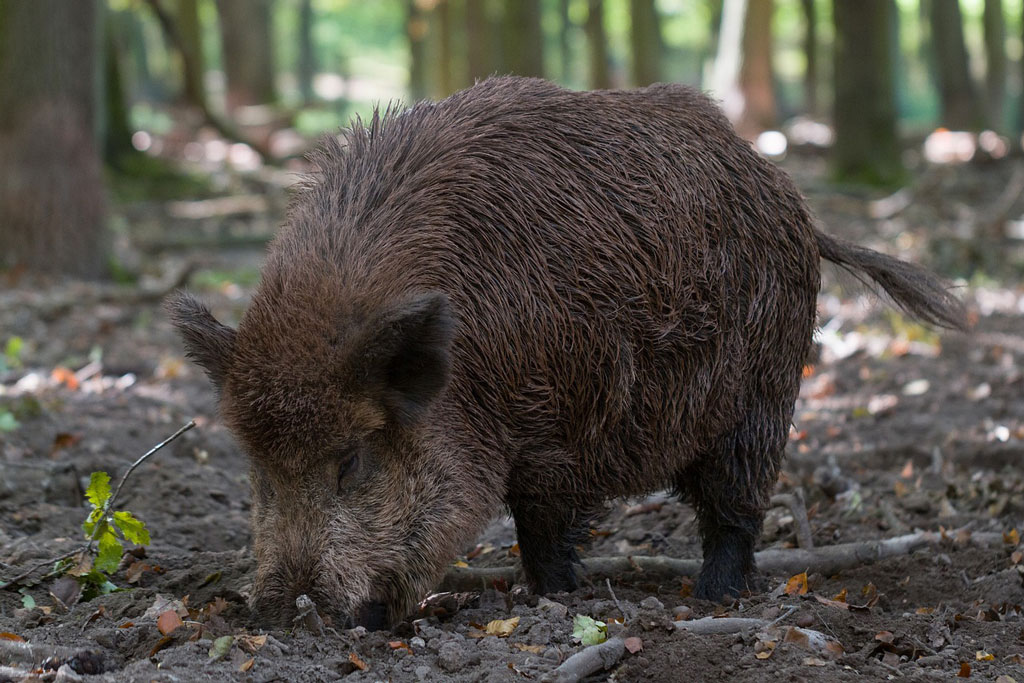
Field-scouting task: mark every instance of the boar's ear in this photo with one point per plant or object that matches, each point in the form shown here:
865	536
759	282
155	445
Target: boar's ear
405	355
207	342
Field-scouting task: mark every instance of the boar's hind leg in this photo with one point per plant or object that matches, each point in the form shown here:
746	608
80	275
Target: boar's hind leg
548	537
730	487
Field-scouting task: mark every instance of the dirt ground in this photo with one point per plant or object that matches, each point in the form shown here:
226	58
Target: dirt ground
897	429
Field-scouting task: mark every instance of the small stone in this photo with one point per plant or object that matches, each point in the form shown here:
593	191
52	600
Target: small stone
434	644
452	657
556	609
682	613
651	603
552	655
422	672
805	620
417	642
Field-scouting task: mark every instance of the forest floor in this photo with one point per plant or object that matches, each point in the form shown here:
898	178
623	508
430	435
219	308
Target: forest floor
897	430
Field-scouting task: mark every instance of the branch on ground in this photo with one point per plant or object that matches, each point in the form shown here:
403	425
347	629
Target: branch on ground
825	560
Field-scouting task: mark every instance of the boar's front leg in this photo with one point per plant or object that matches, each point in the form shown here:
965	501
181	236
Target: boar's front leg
548	537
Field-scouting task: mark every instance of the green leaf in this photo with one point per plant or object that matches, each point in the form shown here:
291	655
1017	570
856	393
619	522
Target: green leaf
99	489
110	550
221	647
134	530
27	601
588	630
8	423
12	352
95	524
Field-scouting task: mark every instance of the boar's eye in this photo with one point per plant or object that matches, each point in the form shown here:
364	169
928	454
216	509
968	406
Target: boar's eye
349	465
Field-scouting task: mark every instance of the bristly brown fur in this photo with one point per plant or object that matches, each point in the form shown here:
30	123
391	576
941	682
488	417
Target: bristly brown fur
527	297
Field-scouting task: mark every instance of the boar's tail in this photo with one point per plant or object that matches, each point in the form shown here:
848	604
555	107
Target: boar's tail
915	290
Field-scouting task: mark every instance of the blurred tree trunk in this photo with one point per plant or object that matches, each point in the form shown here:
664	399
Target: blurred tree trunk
444	63
524	38
117	130
51	185
186	16
307	55
483	40
755	78
995	63
564	46
960	110
416	29
597	46
811	55
645	42
866	148
247	52
710	48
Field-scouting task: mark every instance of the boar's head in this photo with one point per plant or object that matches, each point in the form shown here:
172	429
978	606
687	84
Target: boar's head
356	498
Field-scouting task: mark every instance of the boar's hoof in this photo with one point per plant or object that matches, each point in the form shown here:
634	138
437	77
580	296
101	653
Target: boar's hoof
373	616
720	586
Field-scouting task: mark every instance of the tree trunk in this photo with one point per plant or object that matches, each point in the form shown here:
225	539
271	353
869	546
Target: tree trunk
866	148
995	63
564	45
597	46
51	188
307	54
645	42
186	16
416	29
445	62
117	130
755	80
524	38
247	54
811	55
960	109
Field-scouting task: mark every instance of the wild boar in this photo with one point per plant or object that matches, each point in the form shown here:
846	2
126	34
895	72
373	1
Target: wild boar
528	299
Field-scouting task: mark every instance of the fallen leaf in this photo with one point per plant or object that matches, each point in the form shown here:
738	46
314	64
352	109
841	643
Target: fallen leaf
134	571
1016	556
399	645
763	649
797	585
251	643
460	564
360	664
841	597
246	665
965	670
161	644
64	440
535	649
62	375
838	604
210	578
221	647
127	624
908	470
167	622
7	635
1012	537
588	630
514	550
501	627
885	637
634	645
983	656
814	661
66	591
924	610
